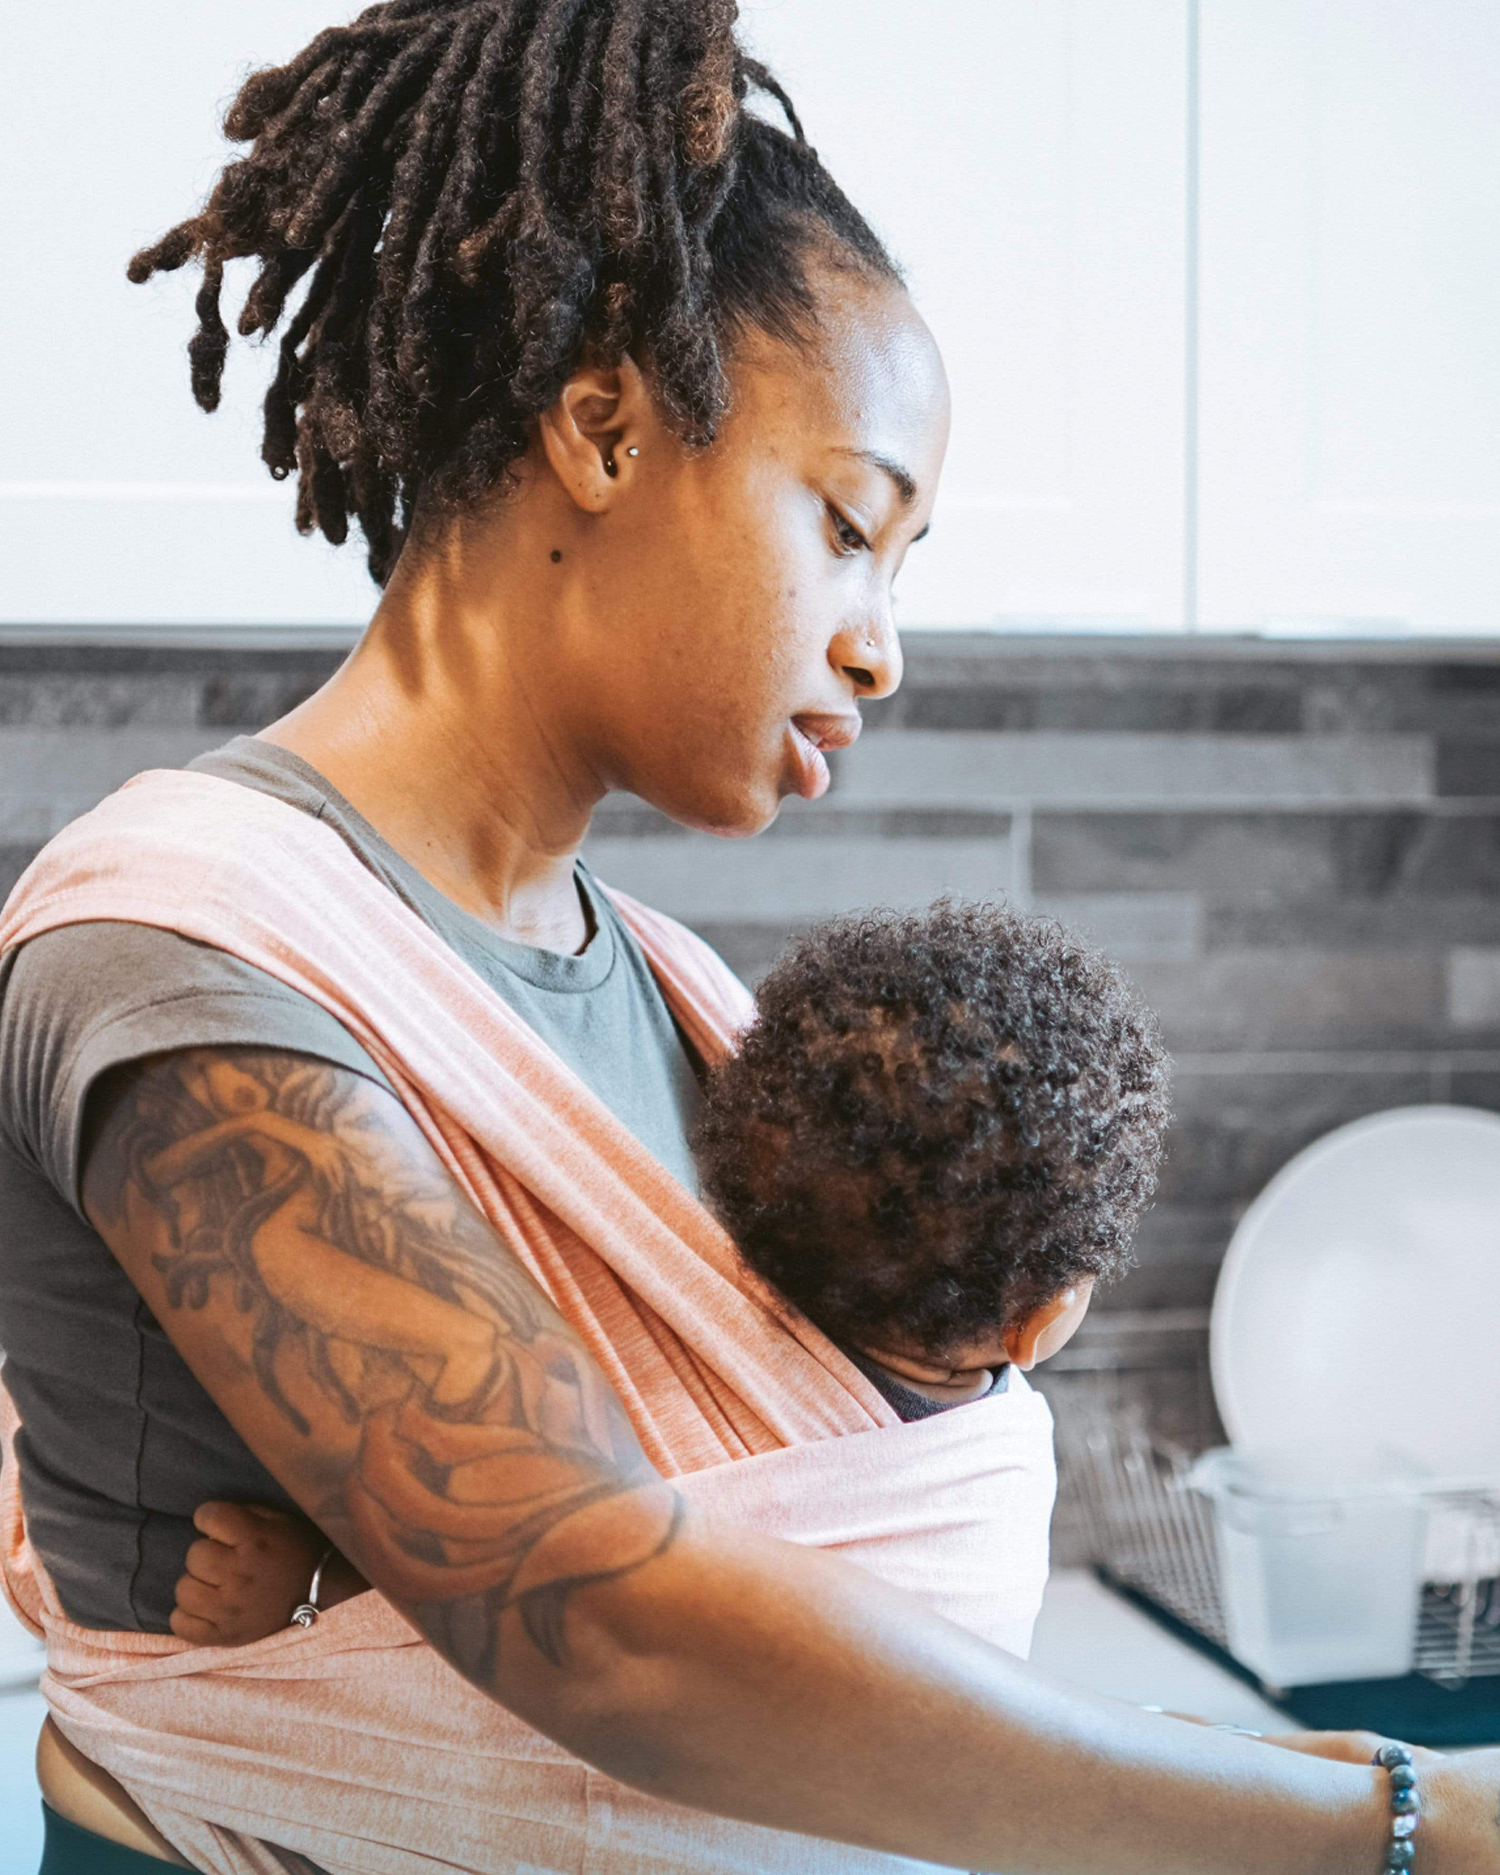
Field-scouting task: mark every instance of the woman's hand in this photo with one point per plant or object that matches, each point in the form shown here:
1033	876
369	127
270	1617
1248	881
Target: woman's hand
1349	1747
1460	1829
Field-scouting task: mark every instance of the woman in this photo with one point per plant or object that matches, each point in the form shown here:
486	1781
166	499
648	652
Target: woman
639	424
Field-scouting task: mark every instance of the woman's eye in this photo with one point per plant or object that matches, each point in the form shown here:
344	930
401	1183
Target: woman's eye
848	536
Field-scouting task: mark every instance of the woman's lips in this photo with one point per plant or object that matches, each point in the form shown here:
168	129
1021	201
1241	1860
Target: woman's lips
812	733
812	770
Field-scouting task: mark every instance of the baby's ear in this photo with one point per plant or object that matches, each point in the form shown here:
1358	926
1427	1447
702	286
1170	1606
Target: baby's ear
1039	1334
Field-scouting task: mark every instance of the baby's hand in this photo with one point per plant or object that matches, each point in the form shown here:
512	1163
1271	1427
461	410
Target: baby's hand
245	1574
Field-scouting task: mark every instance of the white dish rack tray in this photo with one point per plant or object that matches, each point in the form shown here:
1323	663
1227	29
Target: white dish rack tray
1151	1532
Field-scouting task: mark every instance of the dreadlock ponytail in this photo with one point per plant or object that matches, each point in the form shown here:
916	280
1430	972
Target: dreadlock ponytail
475	191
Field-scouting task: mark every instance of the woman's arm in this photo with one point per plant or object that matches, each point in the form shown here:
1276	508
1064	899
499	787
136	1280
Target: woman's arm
391	1362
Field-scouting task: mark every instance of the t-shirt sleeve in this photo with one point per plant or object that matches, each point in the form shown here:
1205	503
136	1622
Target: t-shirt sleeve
85	998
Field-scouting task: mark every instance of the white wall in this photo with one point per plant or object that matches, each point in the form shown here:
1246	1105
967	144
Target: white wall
1028	159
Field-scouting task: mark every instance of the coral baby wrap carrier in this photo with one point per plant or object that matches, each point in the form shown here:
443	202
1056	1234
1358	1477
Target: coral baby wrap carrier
353	1743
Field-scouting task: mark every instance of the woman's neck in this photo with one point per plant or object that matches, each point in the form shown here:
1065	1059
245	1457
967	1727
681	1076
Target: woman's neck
447	737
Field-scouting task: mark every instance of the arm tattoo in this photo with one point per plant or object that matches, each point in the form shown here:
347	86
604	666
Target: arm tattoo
436	1413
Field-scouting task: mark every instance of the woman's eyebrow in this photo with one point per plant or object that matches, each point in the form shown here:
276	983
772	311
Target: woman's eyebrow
906	486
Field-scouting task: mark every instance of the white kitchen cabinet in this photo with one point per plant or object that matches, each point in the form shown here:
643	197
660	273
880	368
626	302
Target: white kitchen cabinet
120	502
1349	387
1029	161
1025	159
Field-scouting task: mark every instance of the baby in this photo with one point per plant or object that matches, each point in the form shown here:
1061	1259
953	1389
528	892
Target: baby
935	1139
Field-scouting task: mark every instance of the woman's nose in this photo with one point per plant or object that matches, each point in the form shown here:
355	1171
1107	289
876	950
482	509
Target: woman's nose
869	655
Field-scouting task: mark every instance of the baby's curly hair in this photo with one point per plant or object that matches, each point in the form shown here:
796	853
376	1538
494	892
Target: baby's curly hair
938	1121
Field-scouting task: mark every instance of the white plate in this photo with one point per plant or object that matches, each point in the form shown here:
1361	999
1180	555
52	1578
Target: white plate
1359	1304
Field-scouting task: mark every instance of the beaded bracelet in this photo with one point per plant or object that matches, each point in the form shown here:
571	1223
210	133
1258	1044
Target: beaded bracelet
1406	1806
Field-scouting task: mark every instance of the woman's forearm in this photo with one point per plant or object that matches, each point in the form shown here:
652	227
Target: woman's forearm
760	1680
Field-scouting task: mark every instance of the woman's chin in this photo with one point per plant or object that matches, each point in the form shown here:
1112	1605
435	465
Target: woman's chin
733	789
741	825
738	816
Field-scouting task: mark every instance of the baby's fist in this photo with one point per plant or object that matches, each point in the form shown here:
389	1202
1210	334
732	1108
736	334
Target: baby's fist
247	1571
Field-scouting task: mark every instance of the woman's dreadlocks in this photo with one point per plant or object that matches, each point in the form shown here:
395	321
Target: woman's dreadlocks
481	191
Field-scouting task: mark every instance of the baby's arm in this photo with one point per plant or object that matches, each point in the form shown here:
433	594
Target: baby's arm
248	1570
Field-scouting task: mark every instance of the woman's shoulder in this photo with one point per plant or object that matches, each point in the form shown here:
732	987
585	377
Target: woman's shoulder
81	999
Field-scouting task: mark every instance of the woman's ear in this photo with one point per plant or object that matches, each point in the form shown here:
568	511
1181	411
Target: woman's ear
593	435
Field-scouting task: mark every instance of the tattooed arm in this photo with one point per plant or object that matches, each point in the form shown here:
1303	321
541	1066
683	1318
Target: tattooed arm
389	1360
369	1335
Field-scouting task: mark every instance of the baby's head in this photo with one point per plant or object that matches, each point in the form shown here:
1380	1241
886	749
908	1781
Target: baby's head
939	1133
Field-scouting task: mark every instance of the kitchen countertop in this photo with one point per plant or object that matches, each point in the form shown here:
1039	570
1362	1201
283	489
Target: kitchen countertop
1088	1635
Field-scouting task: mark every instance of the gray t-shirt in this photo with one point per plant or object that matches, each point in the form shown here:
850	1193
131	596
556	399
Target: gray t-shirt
121	1444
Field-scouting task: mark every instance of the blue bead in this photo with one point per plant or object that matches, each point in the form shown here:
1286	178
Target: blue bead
1403	1801
1392	1755
1403	1777
1399	1856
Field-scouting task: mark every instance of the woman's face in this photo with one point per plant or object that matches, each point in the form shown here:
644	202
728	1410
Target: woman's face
742	606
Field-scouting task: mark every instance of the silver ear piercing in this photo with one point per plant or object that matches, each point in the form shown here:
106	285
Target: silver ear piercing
632	451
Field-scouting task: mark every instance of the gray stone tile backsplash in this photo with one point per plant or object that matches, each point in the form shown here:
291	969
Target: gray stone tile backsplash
1295	851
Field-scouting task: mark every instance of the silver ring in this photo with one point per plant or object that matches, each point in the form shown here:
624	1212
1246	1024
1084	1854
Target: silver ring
306	1613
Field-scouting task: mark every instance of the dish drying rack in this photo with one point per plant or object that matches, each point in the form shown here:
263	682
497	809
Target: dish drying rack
1152	1534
